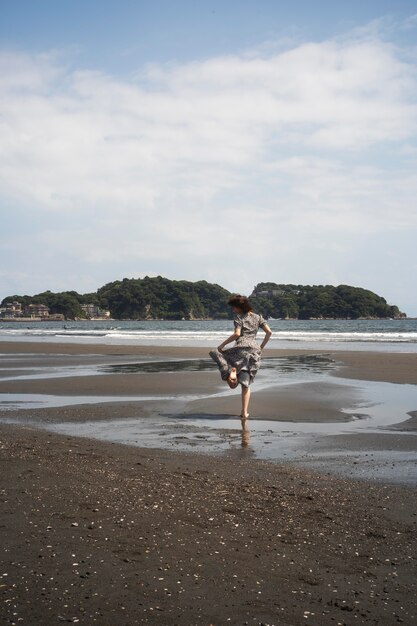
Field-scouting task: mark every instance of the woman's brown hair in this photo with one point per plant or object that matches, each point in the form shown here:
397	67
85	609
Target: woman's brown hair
241	302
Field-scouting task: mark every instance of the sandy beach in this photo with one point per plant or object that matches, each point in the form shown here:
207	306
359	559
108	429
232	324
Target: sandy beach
99	532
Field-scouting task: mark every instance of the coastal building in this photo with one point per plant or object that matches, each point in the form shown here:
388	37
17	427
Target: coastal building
90	310
93	311
11	309
37	310
55	317
269	293
265	293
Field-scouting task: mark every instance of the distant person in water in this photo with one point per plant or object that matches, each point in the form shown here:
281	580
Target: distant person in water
239	364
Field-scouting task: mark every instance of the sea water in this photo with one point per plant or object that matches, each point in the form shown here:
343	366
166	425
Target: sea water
387	335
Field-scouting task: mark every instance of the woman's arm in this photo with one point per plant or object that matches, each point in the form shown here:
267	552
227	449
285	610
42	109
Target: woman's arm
268	333
232	337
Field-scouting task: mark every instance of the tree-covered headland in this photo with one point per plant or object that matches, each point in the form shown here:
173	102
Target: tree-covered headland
321	302
162	298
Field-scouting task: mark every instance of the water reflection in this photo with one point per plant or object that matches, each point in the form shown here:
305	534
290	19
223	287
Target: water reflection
245	433
157	367
311	362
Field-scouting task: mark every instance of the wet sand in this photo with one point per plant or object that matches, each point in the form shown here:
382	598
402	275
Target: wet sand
391	367
315	402
388	367
410	424
109	534
117	385
303	402
189	408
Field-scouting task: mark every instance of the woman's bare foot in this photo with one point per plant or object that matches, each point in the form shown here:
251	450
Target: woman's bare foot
244	416
232	380
244	422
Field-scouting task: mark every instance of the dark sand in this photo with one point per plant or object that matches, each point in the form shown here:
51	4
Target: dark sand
97	533
389	367
410	424
303	402
100	533
117	385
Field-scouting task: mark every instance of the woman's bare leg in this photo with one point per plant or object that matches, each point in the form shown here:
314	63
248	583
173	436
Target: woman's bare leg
245	402
227	373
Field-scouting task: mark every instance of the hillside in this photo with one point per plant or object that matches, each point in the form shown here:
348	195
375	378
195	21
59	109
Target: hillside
162	298
138	298
321	302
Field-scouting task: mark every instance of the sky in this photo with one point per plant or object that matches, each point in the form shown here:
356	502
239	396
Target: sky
237	142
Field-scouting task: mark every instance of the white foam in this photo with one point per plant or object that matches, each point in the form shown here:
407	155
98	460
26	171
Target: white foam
210	333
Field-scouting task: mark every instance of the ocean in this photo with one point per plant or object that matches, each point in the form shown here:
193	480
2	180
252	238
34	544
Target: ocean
384	335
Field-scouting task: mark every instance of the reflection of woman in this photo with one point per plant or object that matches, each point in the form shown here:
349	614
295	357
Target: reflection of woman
239	364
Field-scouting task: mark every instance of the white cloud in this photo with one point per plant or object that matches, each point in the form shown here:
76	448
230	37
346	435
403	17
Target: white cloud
313	143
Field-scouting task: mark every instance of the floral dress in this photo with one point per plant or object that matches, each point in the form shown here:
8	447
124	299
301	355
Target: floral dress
245	355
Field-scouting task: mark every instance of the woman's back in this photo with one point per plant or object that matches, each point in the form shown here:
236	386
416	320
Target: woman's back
249	324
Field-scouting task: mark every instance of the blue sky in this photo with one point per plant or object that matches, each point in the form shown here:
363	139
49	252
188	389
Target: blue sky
231	141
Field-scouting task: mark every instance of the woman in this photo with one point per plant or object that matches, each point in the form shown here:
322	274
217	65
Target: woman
238	365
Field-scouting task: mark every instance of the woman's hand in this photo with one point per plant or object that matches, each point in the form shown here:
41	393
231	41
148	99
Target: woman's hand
268	333
228	340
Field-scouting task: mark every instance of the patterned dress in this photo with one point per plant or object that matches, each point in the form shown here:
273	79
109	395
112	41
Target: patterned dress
245	355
